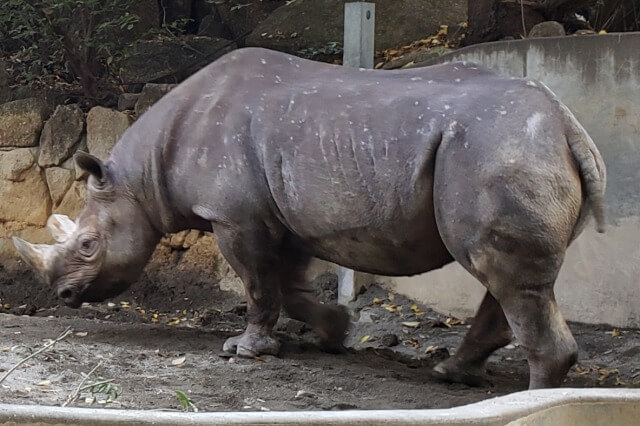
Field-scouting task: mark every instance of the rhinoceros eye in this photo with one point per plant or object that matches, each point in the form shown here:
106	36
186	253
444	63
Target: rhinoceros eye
88	247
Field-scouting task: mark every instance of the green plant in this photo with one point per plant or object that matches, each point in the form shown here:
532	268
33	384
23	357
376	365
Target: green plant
185	401
331	48
77	37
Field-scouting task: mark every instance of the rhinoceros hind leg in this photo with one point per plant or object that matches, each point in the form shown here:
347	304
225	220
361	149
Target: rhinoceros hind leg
522	282
543	335
490	331
330	322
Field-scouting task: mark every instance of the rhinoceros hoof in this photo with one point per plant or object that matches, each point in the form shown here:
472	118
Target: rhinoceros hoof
252	344
448	371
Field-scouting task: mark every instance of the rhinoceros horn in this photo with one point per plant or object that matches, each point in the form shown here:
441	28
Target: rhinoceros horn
38	256
61	227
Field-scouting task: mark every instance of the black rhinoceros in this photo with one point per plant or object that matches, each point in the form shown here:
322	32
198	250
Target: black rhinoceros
387	172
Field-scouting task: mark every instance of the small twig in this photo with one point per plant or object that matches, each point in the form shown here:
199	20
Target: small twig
76	392
64	334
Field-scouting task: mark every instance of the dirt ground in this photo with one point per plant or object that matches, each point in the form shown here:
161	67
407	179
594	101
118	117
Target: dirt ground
152	342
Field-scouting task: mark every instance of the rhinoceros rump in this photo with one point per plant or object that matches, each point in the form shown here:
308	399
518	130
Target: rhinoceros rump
387	172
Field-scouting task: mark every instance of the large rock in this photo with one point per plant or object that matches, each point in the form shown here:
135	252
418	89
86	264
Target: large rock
23	190
73	200
243	16
314	24
104	128
547	29
60	134
58	180
151	93
21	122
212	26
171	61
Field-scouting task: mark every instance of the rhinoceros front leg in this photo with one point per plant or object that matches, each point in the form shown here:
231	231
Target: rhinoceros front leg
252	255
489	332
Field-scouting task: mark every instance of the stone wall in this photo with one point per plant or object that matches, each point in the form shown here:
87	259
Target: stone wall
38	177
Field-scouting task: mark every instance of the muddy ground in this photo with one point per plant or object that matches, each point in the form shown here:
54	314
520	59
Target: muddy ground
152	342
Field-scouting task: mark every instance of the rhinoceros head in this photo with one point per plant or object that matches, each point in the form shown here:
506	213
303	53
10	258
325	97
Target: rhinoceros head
100	254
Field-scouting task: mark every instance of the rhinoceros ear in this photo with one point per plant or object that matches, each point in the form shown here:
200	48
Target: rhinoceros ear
94	167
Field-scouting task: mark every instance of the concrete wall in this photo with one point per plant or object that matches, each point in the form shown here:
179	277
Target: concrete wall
598	78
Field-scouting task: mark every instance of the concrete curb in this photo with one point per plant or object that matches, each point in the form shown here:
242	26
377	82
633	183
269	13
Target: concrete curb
613	406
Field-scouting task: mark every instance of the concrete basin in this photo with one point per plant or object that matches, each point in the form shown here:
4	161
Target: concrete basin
561	407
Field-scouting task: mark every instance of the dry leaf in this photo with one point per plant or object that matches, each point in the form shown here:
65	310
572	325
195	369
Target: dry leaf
390	308
453	321
412	324
430	349
582	370
376	300
364	339
44	383
178	361
391	297
614	333
174	321
412	342
81	334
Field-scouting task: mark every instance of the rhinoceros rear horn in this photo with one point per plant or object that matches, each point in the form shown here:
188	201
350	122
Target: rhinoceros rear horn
38	256
61	227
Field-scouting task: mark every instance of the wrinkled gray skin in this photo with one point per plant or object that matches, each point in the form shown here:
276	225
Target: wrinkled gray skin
387	172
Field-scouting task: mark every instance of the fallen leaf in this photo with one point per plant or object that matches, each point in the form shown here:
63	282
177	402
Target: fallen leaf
453	321
178	361
614	333
174	321
364	339
390	308
412	342
582	370
430	349
391	297
81	334
376	300
44	383
412	324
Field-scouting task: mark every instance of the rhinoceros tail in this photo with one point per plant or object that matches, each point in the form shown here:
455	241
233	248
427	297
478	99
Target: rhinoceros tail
592	167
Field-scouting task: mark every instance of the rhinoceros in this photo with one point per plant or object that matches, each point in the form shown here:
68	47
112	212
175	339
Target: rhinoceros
388	172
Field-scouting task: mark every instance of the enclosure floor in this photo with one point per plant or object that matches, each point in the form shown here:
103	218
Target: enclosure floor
148	362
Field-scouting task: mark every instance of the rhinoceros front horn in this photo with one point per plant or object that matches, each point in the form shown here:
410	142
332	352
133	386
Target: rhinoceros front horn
38	256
